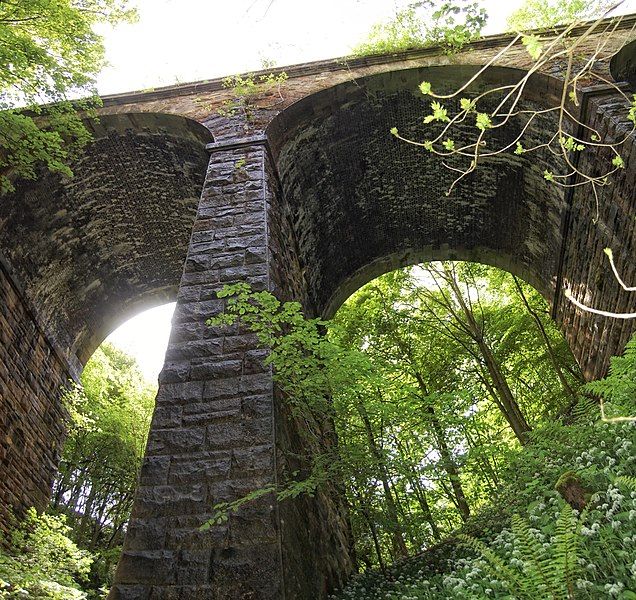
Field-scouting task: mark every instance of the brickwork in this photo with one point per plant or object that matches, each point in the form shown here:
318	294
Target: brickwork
32	377
84	255
586	270
92	251
361	202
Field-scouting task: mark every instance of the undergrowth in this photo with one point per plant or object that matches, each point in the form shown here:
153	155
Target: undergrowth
530	543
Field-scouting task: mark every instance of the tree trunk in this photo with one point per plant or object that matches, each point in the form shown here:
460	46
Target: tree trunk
546	340
420	493
511	410
447	458
398	540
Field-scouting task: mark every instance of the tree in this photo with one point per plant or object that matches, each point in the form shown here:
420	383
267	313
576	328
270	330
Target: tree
426	23
39	560
49	54
407	375
97	477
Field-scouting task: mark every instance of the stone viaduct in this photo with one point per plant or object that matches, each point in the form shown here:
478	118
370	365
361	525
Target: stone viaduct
309	197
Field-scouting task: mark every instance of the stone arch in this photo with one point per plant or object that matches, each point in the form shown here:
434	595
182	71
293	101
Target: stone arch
93	250
78	257
360	202
324	201
379	203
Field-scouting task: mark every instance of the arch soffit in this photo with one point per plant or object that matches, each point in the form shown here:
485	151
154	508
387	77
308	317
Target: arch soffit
92	251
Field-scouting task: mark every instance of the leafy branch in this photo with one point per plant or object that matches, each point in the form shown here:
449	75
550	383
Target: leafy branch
477	112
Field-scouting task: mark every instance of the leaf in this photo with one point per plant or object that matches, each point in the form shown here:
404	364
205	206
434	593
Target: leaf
548	175
483	121
571	144
449	144
618	161
533	45
632	110
466	104
425	88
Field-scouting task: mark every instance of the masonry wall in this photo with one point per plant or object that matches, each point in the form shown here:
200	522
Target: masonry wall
590	229
218	431
317	554
32	376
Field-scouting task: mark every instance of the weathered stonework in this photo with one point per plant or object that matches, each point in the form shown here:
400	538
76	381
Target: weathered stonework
32	377
83	256
309	198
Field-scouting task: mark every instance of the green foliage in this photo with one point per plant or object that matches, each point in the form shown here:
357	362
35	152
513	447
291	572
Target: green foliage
102	455
309	369
49	53
544	14
439	113
449	24
618	389
548	570
41	561
421	436
550	551
425	446
570	144
533	45
246	89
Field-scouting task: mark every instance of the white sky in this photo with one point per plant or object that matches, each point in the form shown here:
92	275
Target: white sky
145	337
177	41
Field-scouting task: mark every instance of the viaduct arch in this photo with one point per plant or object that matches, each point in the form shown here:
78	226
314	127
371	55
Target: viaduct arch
309	198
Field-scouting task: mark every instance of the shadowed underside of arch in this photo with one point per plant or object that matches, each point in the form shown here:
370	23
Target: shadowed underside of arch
77	258
93	250
361	202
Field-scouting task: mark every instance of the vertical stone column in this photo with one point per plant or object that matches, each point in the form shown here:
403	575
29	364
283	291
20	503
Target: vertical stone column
212	433
219	430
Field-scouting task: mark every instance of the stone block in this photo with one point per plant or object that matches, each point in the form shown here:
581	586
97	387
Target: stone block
170	500
176	441
154	470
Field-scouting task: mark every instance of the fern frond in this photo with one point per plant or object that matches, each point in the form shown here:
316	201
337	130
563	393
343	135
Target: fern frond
585	409
498	569
538	570
567	542
627	481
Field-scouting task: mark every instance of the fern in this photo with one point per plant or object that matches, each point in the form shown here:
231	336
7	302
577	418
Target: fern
619	387
627	481
547	573
567	543
537	570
